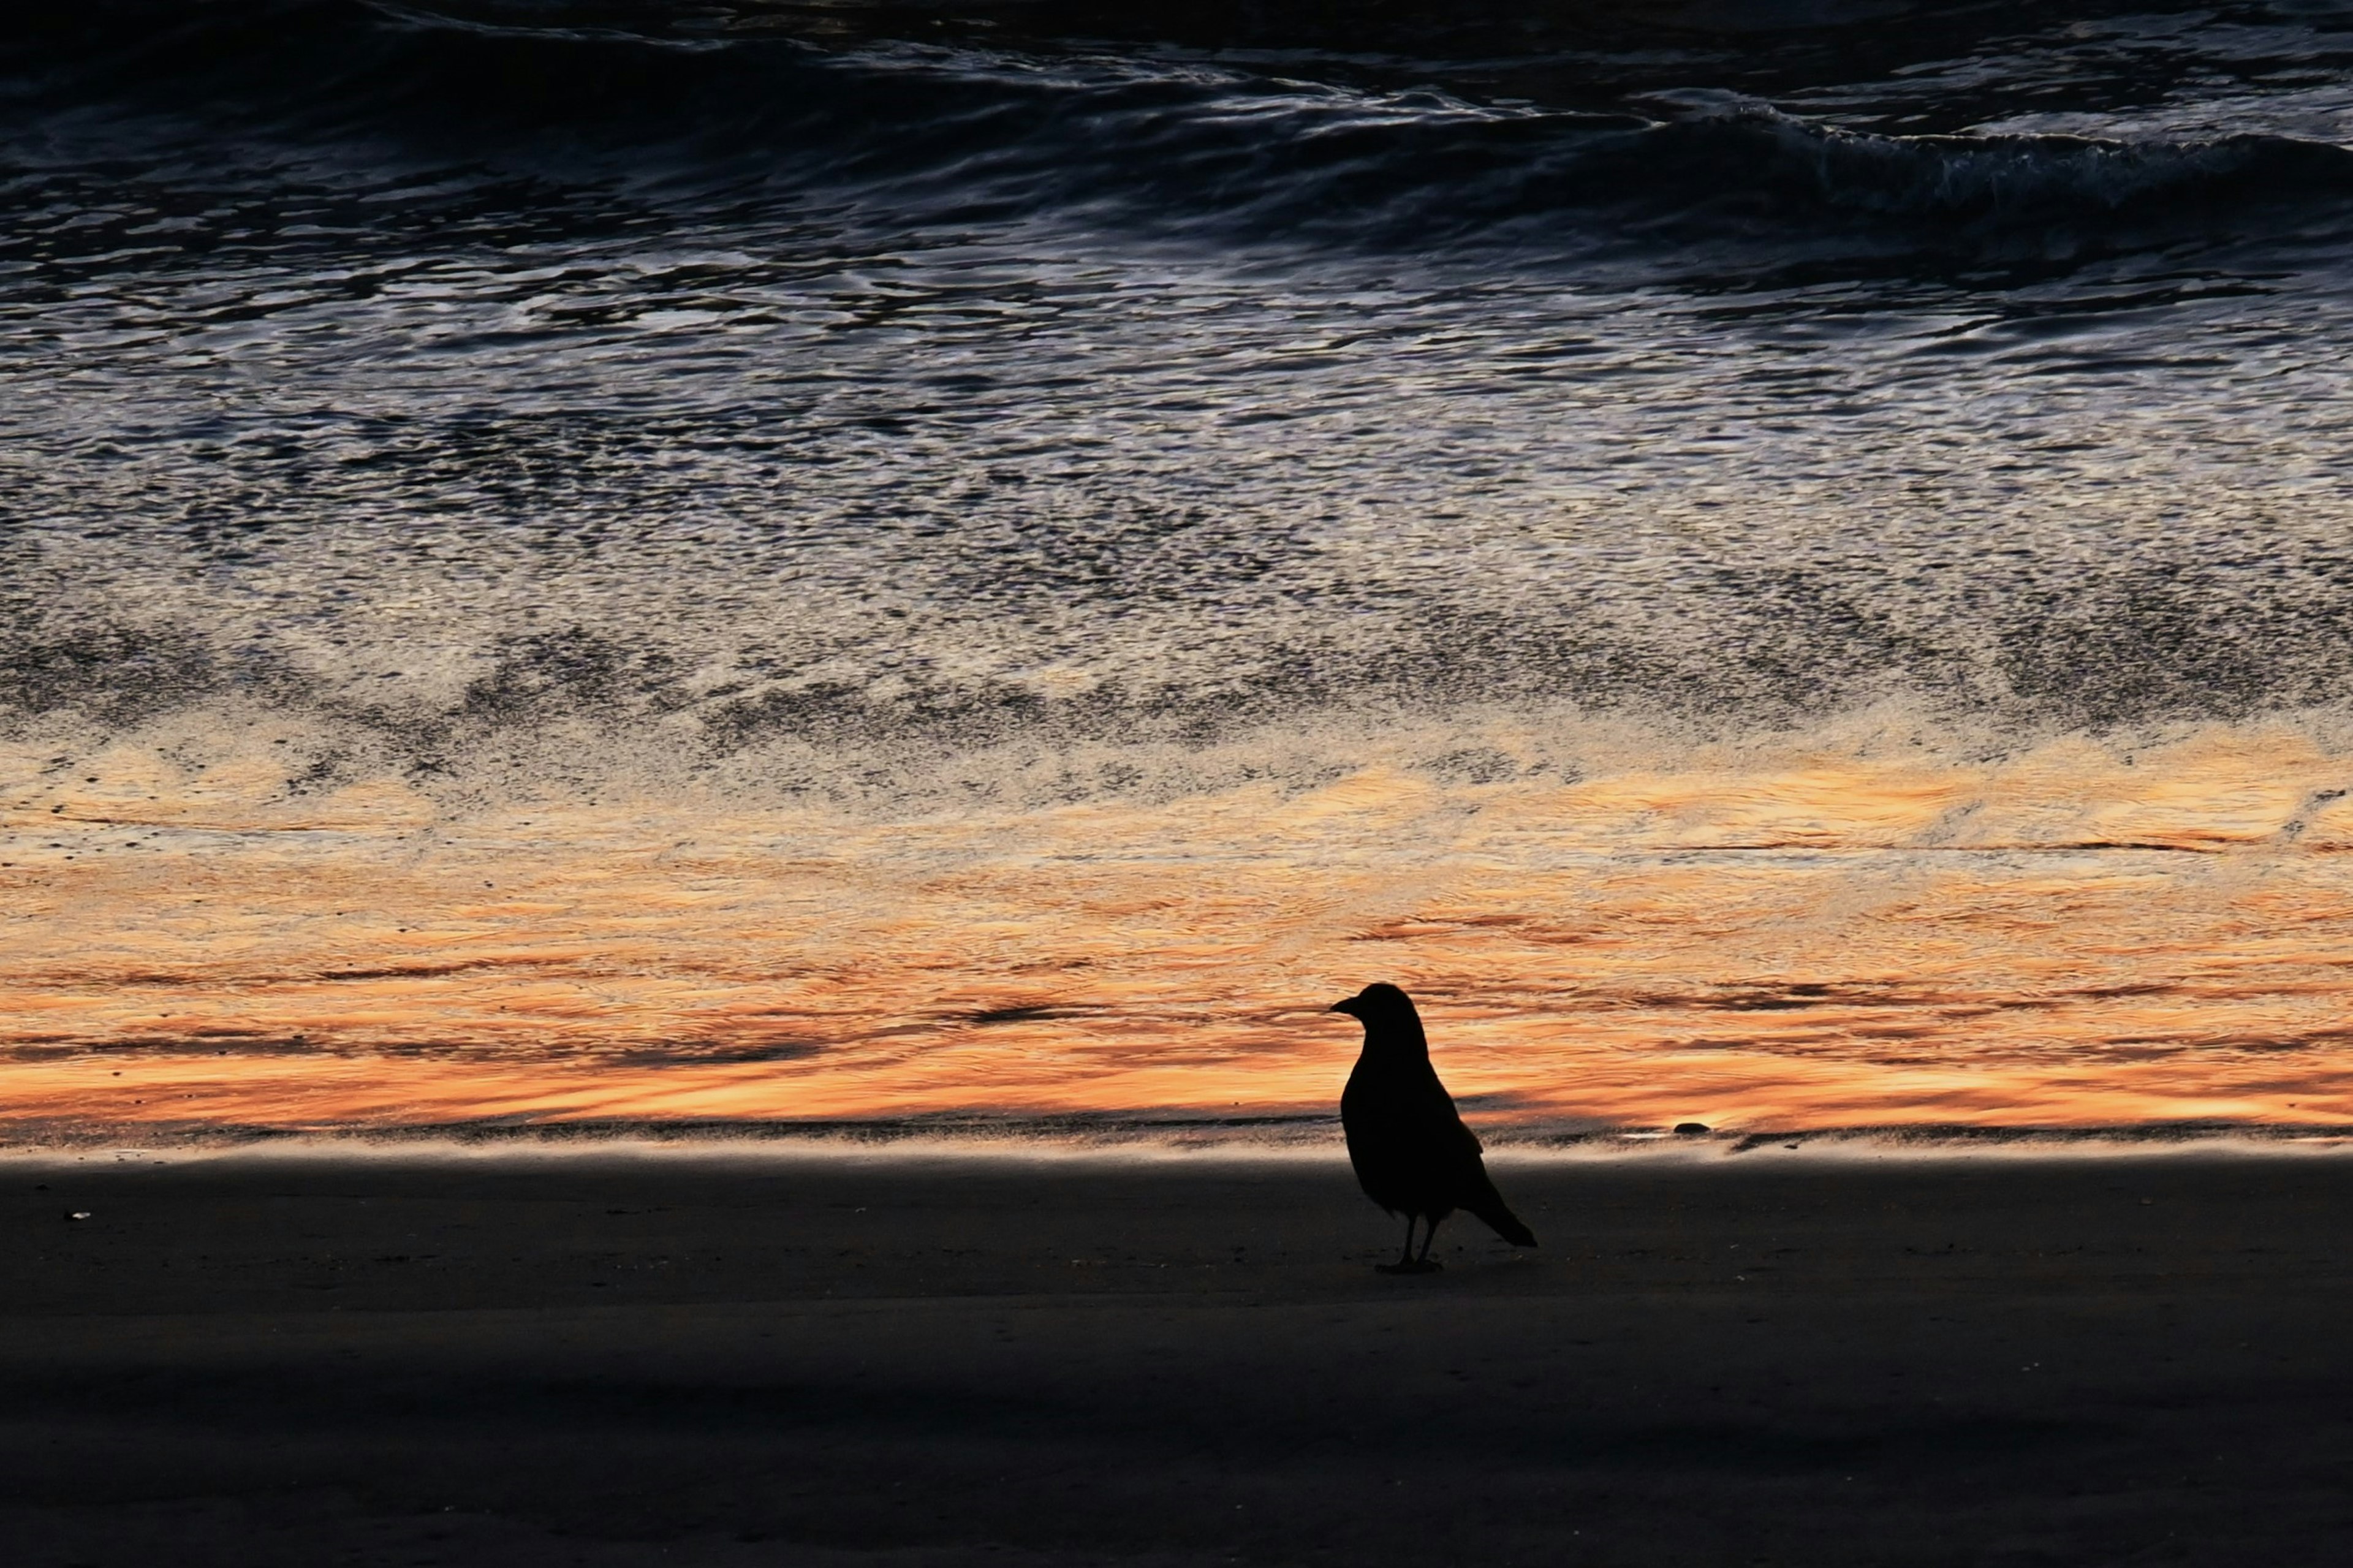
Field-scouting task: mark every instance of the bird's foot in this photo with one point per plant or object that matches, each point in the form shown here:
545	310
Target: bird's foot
1419	1265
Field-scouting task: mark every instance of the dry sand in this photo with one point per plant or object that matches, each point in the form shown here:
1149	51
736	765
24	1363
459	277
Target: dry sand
812	1358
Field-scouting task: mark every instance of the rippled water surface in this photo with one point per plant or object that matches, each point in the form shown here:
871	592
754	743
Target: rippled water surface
1777	563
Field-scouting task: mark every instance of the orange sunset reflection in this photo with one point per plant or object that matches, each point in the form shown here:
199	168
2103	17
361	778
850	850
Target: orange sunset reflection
2070	935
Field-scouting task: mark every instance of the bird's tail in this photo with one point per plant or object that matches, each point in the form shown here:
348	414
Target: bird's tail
1500	1219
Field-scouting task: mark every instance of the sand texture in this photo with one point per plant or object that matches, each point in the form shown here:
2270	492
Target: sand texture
520	1359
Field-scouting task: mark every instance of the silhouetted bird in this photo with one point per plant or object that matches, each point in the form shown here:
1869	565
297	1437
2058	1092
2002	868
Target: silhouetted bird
1413	1155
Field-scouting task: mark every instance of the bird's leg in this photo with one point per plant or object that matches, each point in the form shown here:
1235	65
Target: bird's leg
1427	1237
1405	1259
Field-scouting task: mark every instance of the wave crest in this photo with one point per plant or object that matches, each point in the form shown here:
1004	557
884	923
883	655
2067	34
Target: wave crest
928	136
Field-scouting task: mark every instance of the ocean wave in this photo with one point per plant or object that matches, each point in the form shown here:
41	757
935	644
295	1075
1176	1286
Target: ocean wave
2020	178
910	135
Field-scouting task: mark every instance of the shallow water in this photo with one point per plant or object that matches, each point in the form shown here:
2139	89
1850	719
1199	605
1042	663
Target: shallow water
2072	935
1777	565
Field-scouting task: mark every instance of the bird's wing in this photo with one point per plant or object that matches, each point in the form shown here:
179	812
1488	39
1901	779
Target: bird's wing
1441	1129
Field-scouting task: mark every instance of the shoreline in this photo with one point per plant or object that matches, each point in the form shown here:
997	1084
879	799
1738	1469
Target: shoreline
1248	1139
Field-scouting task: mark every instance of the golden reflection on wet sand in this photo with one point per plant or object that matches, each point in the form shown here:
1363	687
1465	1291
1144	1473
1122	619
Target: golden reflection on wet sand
2074	934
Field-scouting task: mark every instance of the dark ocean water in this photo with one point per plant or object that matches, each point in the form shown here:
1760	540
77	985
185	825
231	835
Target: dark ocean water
1779	565
845	368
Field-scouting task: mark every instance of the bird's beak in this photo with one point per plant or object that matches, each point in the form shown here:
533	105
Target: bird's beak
1347	1006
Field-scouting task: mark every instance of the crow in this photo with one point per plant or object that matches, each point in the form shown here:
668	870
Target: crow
1413	1156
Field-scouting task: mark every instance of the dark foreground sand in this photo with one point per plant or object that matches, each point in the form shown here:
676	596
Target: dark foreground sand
527	1360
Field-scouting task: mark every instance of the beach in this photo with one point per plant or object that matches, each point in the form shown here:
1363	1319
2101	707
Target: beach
896	1355
700	704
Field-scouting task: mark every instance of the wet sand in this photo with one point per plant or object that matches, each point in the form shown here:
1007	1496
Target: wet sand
1772	1358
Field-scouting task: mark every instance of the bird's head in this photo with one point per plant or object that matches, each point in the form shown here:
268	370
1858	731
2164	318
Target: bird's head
1380	1006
